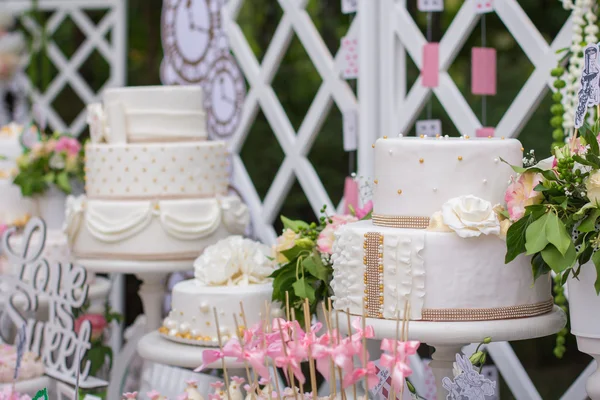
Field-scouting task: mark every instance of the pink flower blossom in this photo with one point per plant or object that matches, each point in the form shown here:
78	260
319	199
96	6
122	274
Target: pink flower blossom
520	194
68	144
97	321
327	235
360	213
153	394
217	385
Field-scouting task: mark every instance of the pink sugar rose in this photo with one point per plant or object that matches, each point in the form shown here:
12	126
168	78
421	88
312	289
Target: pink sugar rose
68	144
97	321
327	235
520	194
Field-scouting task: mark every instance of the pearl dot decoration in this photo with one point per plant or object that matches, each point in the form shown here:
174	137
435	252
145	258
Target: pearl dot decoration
376	181
385	137
485	181
460	158
496	160
421	160
373	145
399	191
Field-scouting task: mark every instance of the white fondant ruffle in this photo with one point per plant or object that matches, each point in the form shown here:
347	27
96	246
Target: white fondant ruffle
348	270
183	219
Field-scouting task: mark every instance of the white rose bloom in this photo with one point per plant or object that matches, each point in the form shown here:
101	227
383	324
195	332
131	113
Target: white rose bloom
470	216
592	185
234	261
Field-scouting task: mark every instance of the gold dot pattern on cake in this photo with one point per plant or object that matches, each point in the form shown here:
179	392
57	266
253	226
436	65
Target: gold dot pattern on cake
373	276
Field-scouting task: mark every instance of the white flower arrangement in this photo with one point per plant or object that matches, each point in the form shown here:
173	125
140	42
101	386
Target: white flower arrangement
234	261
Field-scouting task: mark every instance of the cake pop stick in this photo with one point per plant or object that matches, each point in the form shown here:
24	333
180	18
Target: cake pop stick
225	375
392	393
268	325
364	340
311	361
339	340
237	328
329	343
350	334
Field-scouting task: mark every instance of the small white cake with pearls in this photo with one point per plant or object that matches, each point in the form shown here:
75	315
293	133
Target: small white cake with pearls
156	188
436	239
233	271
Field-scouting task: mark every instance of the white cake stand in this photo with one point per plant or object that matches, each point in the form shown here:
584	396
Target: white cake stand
155	348
30	386
151	273
448	338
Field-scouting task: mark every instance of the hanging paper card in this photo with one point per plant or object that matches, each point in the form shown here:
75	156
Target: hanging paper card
468	384
429	127
349	50
382	390
430	5
589	94
350	130
431	65
41	395
483	6
483	71
485	131
351	193
349	6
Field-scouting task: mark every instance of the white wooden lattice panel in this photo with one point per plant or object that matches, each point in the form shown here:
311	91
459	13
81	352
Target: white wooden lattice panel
295	20
113	51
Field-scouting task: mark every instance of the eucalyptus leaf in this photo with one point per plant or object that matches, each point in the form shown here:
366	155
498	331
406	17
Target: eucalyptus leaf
596	261
589	223
556	233
557	261
535	235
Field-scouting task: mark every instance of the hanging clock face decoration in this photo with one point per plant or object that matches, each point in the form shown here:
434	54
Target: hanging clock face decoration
187	35
224	92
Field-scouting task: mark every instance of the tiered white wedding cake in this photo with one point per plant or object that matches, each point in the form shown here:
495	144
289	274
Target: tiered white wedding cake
156	189
436	237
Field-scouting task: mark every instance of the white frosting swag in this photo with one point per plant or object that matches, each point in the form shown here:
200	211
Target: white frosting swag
234	261
185	220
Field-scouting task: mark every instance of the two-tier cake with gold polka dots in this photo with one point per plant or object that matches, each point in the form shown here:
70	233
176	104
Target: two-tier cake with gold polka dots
156	188
436	243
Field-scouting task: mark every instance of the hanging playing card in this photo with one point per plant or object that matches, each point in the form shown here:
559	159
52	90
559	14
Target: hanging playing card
349	50
350	120
429	127
349	6
483	6
589	94
430	5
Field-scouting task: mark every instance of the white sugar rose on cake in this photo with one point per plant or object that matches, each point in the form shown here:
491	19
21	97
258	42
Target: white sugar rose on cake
436	238
233	271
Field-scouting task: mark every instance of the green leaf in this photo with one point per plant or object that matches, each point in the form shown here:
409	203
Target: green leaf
589	223
590	139
539	266
304	290
293	225
565	276
515	237
62	181
535	236
540	188
50	177
283	283
556	233
98	356
596	261
314	266
584	161
303	245
556	261
41	395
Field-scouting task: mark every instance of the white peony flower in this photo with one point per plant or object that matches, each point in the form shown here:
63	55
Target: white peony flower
56	162
470	216
234	261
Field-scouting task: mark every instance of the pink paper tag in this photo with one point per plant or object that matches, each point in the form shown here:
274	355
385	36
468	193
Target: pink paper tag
483	71
431	65
485	131
350	195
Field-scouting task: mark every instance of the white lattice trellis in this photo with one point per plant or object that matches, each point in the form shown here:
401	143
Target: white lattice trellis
387	34
112	51
261	95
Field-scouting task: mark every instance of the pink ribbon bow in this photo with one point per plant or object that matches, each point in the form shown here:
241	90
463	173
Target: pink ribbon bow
370	372
255	357
368	333
209	357
396	359
296	354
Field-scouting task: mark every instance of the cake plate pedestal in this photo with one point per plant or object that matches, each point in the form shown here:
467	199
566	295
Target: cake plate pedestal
153	347
448	338
151	273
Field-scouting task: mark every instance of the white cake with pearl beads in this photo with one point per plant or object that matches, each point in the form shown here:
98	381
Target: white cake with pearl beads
436	240
156	189
233	271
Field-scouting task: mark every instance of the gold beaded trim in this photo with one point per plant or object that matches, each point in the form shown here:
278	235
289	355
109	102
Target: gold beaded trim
373	277
487	314
397	221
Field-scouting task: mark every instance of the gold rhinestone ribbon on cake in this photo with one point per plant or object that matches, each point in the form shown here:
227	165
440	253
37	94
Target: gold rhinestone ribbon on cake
397	221
373	277
487	314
